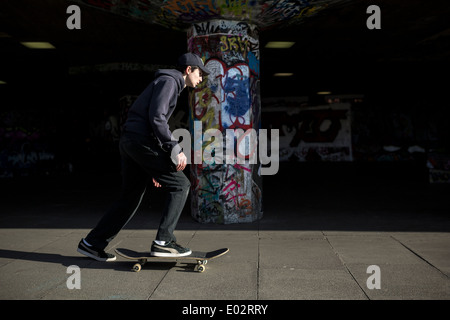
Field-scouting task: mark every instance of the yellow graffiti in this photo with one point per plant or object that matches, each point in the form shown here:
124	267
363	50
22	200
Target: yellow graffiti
233	43
209	121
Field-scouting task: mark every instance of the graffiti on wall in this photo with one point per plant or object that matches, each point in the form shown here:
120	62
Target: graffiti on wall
378	132
25	149
227	99
321	133
438	167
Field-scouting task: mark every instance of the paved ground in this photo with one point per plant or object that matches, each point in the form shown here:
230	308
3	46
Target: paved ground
317	240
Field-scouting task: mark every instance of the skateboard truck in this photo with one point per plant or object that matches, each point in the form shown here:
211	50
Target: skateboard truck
200	267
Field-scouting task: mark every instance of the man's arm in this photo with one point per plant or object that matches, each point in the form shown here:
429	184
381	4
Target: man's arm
158	110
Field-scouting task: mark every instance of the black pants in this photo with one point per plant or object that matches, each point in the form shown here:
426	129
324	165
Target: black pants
142	160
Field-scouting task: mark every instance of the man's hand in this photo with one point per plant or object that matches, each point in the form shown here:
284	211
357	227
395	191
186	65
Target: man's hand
181	161
156	183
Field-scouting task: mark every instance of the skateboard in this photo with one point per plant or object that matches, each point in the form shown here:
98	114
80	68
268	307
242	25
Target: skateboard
198	257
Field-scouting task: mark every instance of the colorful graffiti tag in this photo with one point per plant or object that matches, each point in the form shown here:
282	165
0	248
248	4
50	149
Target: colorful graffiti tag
228	99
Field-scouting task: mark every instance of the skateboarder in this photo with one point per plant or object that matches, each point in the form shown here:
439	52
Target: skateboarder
146	146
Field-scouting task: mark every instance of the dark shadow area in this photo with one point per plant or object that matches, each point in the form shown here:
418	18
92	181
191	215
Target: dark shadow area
301	196
59	161
82	262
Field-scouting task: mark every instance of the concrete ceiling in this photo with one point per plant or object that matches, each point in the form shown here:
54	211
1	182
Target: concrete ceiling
333	50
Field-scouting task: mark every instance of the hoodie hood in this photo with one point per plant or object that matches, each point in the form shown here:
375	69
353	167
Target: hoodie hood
150	113
177	75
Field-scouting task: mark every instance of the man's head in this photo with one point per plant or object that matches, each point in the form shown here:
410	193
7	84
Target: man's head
192	68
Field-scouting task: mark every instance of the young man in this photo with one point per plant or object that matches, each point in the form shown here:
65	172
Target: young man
146	146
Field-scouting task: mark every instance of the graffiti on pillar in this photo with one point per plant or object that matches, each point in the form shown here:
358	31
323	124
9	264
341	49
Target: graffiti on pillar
236	105
227	100
227	90
225	189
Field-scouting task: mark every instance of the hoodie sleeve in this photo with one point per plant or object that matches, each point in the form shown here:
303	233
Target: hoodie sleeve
163	92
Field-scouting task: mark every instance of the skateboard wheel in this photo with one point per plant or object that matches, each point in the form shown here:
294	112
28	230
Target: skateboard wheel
201	268
137	267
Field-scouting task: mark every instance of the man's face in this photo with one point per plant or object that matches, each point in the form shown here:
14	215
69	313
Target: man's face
194	77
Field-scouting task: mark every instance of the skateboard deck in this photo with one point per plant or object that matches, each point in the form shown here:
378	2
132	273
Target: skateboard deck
198	257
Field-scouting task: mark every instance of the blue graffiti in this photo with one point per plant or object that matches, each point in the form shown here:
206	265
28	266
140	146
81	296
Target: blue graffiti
237	92
253	63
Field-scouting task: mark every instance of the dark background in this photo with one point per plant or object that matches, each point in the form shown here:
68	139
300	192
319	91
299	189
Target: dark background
53	99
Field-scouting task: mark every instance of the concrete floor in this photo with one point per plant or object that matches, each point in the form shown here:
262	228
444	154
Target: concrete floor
317	241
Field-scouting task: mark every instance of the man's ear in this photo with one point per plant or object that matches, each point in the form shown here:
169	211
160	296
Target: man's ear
188	70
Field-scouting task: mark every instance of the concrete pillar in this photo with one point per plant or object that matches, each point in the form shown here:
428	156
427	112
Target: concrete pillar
229	100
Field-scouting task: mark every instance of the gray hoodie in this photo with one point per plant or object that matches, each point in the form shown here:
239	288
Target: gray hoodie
150	113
